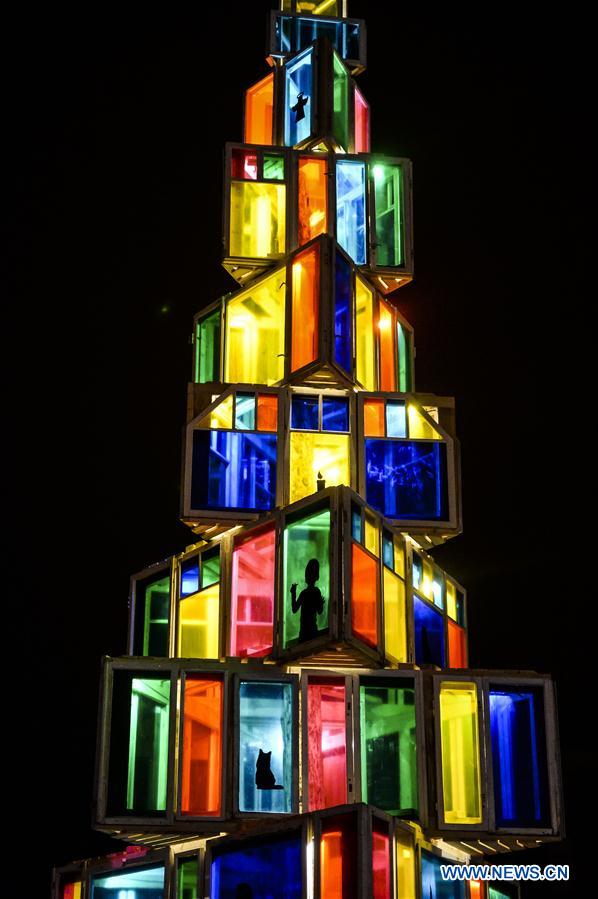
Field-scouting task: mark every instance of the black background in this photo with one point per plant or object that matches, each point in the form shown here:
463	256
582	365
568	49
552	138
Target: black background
118	118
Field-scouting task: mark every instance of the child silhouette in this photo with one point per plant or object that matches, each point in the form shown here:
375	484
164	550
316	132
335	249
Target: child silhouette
310	601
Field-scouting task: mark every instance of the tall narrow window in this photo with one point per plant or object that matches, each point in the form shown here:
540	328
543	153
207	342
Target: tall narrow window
326	743
255	330
306	582
365	592
152	615
339	858
207	348
429	634
298	99
403	358
362	123
266	741
457	642
306	303
201	791
313	198
388	360
252	594
351	209
381	863
257	220
340	103
395	618
343	348
365	348
187	878
406	869
389	238
461	778
259	103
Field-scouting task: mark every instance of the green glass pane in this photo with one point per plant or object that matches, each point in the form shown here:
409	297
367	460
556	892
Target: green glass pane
404	359
245	412
147	771
210	568
187	879
389	241
156	610
207	348
388	748
493	893
306	584
273	168
340	110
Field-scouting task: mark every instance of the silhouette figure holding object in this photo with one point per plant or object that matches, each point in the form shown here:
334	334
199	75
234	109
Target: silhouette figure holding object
310	601
299	107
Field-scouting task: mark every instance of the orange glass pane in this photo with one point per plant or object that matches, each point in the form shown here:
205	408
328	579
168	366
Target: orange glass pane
388	372
338	858
306	290
364	595
381	864
313	202
202	747
362	124
476	889
373	418
267	412
326	744
259	104
457	646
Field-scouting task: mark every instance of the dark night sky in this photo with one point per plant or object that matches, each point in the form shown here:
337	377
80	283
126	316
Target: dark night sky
119	124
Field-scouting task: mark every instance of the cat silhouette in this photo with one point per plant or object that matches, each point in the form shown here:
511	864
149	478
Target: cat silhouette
264	778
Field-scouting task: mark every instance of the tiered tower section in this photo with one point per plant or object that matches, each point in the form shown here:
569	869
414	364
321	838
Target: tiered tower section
297	678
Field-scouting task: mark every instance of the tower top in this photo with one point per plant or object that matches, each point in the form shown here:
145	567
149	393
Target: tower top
335	8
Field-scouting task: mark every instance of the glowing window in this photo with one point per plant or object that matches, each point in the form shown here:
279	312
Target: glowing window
364	596
252	595
259	104
461	788
406	870
244	164
273	167
317	457
433	883
201	789
255	331
365	347
187	878
306	568
395	618
245	411
406	479
313	198
305	412
72	890
327	743
388	202
258	864
343	345
266	742
339	857
404	358
362	123
388	358
351	209
305	308
429	634
130	884
199	619
298	99
420	427
207	348
381	862
373	418
457	646
257	220
340	102
267	412
152	614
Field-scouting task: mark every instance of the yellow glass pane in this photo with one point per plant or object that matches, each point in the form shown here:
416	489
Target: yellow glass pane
199	625
257	220
426	586
318	7
365	351
259	105
459	740
399	555
254	335
315	453
419	427
372	535
451	600
406	869
221	416
395	618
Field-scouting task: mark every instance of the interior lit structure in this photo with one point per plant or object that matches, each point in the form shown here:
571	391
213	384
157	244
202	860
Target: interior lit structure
296	717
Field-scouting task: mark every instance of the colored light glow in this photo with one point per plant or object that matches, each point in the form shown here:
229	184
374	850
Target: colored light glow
266	724
252	596
207	348
433	884
362	123
388	372
350	209
72	890
233	470
373	418
429	634
476	889
419	427
451	600
372	535
267	412
202	746
255	333
365	348
312	454
313	198
152	613
198	632
459	738
343	344
406	479
338	858
188	879
259	105
326	744
364	596
259	865
257	220
298	102
340	102
388	205
305	308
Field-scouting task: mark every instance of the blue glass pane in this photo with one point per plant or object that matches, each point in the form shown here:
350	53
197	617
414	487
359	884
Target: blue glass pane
429	634
265	747
342	314
396	419
295	33
335	414
407	479
190	576
433	886
304	413
142	883
298	99
245	412
356	525
233	470
519	757
350	209
271	869
388	550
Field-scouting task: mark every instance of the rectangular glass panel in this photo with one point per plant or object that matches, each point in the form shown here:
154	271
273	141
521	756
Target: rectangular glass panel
252	595
406	871
403	358
266	742
201	791
388	746
395	618
519	765
255	327
407	479
139	883
250	869
233	470
365	350
339	857
399	555
207	348
388	374
380	861
152	613
388	190
199	620
433	884
457	643
305	412
244	164
362	124
335	413
343	349
429	634
396	419
273	167
306	566
373	418
356	524
313	455
350	209
72	890
326	743
245	411
221	415
306	307
493	893
210	567
476	889
313	198
340	103
139	729
451	600
419	426
259	104
372	535
298	99
257	220
267	412
459	740
188	879
189	576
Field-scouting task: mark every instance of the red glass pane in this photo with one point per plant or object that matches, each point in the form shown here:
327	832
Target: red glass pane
388	372
326	744
252	597
457	646
381	864
364	595
373	418
68	891
267	412
202	747
313	198
244	164
338	858
306	300
362	124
